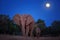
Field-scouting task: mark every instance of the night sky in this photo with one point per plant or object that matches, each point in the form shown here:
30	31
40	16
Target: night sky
36	8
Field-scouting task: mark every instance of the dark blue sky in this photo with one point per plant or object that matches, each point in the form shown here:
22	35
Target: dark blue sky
36	8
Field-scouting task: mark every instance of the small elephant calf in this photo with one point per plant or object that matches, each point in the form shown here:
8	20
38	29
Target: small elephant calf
37	31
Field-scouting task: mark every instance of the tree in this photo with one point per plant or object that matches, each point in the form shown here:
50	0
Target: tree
53	30
4	23
41	24
7	26
56	28
14	29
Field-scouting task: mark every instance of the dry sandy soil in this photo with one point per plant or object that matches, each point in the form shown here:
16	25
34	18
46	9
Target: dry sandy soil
12	37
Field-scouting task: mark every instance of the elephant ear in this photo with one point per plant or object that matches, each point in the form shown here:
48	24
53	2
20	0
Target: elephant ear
29	20
16	19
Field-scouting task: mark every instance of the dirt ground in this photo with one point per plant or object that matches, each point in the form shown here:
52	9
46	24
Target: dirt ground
12	37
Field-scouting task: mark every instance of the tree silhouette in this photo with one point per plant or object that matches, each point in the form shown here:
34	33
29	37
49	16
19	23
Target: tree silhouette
7	26
56	28
53	30
41	24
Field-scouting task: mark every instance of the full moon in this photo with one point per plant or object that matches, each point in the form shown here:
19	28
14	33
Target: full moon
47	5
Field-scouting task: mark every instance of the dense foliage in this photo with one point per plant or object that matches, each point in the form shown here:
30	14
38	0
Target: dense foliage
7	26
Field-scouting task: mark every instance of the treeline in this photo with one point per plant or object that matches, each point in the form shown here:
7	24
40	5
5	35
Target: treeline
7	26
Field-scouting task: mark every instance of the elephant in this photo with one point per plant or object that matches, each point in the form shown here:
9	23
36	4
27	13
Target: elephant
27	23
38	31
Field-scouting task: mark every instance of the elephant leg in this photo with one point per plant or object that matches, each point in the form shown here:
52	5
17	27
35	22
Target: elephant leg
31	29
23	28
31	32
27	30
23	31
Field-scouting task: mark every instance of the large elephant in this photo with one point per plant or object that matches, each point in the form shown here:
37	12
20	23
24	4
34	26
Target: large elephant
27	23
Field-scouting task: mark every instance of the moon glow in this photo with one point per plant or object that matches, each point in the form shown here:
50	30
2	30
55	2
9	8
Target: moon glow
47	5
